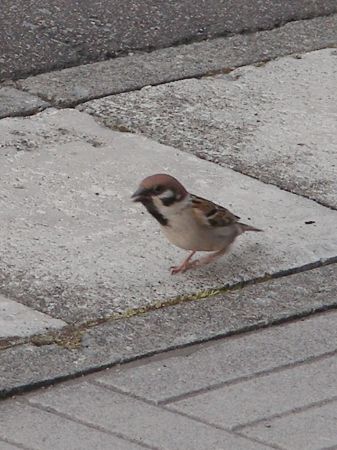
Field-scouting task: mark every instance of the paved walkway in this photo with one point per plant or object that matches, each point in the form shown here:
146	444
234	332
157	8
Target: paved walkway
248	121
271	389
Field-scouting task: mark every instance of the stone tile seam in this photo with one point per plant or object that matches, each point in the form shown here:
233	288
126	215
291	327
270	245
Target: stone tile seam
88	424
194	75
186	41
244	378
102	122
312	17
94	369
225	34
268	183
180	413
16	444
173	79
290	412
73	332
259	441
176	413
168	403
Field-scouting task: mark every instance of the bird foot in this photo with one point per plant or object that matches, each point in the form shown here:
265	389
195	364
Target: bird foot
178	269
182	268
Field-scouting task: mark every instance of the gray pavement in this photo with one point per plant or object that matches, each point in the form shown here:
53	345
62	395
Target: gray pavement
84	272
287	404
77	248
270	122
39	36
71	86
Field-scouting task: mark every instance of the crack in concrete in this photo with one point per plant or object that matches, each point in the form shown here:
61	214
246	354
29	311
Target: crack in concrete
70	337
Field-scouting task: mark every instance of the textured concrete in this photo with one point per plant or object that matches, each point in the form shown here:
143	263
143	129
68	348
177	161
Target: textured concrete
78	84
18	320
66	184
290	406
312	429
258	120
40	430
273	394
39	35
139	421
118	341
6	446
234	358
17	103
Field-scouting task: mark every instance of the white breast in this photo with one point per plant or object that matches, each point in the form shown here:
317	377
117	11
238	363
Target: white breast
186	232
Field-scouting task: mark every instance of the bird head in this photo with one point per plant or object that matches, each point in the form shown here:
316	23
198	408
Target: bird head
160	186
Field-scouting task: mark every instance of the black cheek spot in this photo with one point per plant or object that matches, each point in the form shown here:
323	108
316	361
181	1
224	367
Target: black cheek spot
149	205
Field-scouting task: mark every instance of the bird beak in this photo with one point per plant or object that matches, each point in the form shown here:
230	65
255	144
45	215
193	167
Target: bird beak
139	195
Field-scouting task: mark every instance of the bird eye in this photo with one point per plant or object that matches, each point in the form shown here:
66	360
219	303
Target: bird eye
158	189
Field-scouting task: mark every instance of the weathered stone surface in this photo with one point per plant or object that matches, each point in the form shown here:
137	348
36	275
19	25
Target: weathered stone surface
33	428
78	84
308	430
17	103
255	306
18	320
276	122
61	34
76	247
199	368
265	396
137	420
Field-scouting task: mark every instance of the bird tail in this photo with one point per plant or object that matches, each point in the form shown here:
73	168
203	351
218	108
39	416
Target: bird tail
244	227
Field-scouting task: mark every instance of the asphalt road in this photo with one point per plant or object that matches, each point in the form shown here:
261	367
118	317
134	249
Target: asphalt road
41	35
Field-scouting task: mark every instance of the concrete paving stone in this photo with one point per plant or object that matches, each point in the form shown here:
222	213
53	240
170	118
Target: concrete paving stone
312	429
172	327
275	122
17	103
75	85
41	430
191	370
63	34
6	446
65	189
139	421
19	320
265	396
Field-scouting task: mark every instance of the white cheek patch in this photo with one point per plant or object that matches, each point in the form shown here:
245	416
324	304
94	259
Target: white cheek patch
166	194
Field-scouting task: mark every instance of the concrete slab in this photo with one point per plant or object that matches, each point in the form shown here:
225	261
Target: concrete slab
19	320
240	357
6	446
57	35
139	421
75	247
35	429
260	398
75	85
260	121
17	103
306	430
27	366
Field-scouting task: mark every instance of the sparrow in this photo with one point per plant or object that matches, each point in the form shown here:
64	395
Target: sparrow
188	221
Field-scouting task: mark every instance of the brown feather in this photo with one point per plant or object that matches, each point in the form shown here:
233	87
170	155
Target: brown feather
211	214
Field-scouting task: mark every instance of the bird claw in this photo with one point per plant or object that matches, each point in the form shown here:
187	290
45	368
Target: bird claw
176	269
183	267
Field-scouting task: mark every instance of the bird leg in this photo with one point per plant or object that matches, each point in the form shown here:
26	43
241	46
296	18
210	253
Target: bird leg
183	266
207	259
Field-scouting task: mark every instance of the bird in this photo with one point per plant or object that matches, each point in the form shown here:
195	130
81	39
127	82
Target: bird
189	221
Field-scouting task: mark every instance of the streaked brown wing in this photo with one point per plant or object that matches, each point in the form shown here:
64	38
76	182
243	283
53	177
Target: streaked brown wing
211	214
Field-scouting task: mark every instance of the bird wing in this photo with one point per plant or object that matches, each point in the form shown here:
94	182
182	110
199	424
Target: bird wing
210	214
